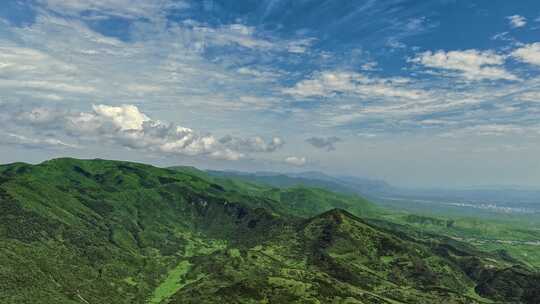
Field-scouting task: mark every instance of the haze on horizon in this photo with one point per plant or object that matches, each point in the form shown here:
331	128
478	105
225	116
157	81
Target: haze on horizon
418	93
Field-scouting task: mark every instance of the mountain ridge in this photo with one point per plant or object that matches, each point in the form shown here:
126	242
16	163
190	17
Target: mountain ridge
121	232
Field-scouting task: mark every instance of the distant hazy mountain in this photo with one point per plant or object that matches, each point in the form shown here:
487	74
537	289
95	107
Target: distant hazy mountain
484	201
346	184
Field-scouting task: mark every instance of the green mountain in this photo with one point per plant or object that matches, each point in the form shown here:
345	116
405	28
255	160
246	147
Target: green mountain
292	196
286	181
96	231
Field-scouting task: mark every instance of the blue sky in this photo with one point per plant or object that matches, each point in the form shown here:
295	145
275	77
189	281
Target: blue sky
420	93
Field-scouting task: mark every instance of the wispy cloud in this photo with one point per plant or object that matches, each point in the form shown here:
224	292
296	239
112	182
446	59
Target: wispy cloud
472	65
533	96
300	46
238	34
30	69
296	161
118	8
330	83
493	130
34	143
517	21
67	62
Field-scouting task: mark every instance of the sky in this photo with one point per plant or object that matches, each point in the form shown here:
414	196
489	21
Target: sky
432	93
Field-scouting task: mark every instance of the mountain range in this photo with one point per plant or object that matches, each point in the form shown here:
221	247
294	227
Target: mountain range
98	231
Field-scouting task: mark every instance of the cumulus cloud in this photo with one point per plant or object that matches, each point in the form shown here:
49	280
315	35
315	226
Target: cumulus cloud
296	161
126	117
127	126
331	83
471	65
529	53
327	143
517	21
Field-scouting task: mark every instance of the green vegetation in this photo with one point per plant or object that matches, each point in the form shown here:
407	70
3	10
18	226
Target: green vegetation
172	283
74	231
291	196
516	238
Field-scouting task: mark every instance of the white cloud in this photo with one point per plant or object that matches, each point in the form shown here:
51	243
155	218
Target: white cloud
370	66
118	8
254	144
24	68
296	161
433	122
517	21
330	83
529	53
126	117
300	46
366	135
259	74
126	126
530	96
34	143
496	129
61	61
39	116
247	37
503	36
448	106
490	130
472	65
15	59
46	85
234	34
395	44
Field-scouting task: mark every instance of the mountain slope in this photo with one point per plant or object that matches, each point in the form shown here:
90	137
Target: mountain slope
294	196
98	231
284	180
